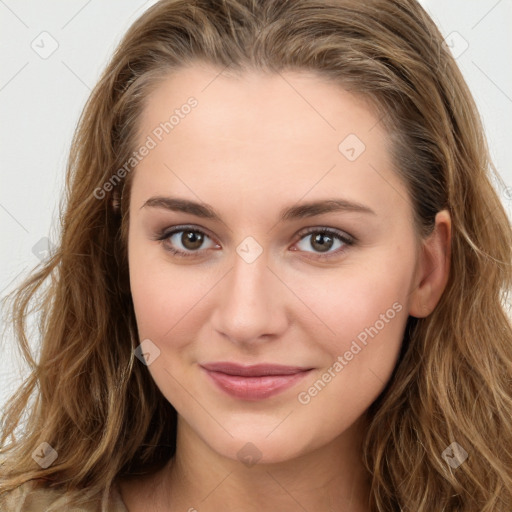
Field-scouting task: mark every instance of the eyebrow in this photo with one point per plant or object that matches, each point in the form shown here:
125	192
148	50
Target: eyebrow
300	211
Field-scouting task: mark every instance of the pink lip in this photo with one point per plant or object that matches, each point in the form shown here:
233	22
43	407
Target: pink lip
254	382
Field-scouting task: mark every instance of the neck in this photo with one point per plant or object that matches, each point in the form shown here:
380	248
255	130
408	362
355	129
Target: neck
331	478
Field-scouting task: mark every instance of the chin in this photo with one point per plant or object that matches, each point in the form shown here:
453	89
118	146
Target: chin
258	448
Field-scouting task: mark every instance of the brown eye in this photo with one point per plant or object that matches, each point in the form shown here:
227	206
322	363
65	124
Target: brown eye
181	241
322	240
191	240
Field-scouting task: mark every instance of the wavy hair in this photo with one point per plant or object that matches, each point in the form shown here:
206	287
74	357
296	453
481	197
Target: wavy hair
102	412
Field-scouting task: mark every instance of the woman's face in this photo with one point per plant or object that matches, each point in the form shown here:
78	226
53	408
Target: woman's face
259	283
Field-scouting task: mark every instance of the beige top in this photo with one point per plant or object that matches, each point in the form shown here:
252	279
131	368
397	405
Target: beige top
30	497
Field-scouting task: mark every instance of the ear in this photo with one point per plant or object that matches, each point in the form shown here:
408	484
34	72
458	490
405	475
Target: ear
433	268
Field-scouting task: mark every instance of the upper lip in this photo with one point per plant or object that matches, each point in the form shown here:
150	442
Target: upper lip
256	370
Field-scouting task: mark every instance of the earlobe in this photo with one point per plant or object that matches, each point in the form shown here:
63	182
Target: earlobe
433	268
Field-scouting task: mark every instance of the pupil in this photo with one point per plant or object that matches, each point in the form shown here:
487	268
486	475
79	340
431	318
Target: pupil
191	240
320	239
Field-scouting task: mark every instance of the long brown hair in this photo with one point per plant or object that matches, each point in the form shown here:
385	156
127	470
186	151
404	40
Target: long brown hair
101	411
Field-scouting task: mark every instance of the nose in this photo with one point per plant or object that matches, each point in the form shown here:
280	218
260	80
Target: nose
251	303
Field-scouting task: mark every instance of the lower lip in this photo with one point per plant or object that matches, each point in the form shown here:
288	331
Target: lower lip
255	388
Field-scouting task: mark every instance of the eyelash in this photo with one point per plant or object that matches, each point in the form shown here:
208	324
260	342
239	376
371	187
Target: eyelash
163	235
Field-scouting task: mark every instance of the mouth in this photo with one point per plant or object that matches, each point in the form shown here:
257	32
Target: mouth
255	382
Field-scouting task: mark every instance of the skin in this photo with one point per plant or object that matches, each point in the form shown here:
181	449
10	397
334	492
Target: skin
254	145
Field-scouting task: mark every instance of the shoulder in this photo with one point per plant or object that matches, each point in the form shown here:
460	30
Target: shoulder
28	497
34	497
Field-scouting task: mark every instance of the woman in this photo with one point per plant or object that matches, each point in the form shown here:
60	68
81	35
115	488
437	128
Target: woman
282	276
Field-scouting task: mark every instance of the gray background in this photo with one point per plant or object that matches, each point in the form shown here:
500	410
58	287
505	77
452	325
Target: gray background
51	56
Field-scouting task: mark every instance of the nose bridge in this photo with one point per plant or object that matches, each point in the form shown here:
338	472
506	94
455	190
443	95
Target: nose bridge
249	277
248	301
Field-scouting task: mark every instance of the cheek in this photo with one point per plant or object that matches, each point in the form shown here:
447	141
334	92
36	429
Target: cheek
368	310
171	303
147	294
360	302
161	304
364	313
164	306
369	324
160	297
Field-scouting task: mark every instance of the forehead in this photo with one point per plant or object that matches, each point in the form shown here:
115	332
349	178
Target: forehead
261	104
257	133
